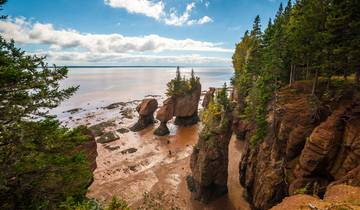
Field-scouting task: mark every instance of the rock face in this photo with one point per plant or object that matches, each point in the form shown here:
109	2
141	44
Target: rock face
209	162
89	148
336	197
208	97
184	108
308	147
146	111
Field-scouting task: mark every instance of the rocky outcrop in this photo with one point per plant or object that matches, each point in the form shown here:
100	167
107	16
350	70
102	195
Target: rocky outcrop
209	161
146	111
336	197
89	148
186	108
183	107
209	95
310	144
165	113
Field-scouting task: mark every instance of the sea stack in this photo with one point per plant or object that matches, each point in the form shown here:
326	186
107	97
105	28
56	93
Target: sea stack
209	160
182	102
164	114
146	111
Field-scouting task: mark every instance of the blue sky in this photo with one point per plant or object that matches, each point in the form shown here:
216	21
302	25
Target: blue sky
133	32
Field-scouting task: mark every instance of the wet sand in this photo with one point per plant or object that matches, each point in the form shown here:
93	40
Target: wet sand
155	164
160	164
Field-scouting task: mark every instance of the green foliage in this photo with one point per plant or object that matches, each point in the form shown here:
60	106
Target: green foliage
28	87
117	204
39	166
181	86
301	191
86	204
158	201
220	104
310	38
42	169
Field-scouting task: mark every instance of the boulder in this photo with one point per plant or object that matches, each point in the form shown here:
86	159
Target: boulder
209	95
108	137
146	111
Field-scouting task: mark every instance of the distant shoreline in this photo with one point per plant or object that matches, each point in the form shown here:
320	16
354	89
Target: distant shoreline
139	66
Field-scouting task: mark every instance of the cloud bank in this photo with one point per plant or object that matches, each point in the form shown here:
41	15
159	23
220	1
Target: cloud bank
89	58
70	47
25	32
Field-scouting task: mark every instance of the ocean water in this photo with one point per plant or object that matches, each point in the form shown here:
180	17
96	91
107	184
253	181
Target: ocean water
106	85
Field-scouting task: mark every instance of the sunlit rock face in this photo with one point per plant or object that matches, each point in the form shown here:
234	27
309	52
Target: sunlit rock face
209	161
183	107
146	111
186	108
336	197
307	148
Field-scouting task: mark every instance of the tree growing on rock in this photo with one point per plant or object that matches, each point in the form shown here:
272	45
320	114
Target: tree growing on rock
209	159
181	86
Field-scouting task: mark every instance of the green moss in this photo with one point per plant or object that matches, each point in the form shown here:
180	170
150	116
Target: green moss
303	190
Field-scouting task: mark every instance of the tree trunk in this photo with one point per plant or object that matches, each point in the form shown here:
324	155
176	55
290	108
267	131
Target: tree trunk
328	83
294	73
291	75
315	82
274	108
307	70
345	74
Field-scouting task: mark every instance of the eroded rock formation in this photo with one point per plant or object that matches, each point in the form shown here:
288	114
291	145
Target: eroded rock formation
209	161
310	145
146	111
209	95
186	108
336	197
183	107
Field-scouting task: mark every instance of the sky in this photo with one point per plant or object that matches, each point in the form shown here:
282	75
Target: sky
133	32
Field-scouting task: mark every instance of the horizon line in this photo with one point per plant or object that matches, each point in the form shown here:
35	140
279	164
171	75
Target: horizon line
131	66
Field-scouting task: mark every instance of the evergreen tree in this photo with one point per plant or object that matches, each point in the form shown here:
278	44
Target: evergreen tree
39	165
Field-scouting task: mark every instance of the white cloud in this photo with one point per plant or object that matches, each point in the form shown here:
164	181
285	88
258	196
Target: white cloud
201	21
176	20
157	11
145	7
89	58
25	32
70	47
